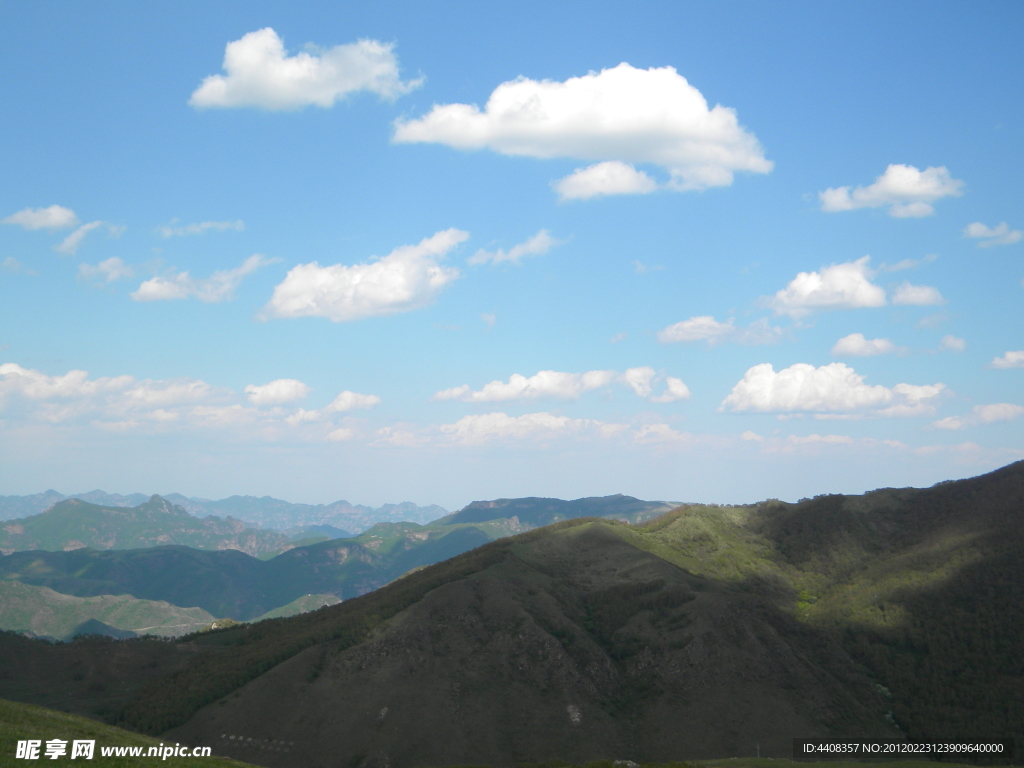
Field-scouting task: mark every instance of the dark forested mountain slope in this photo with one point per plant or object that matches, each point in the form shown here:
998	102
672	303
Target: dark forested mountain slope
571	643
706	632
926	586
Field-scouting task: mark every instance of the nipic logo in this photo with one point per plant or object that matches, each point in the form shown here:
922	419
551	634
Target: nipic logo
33	749
29	749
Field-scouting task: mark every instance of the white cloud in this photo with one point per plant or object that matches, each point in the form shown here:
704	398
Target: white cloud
220	286
1000	235
480	428
608	178
706	328
407	278
488	319
953	343
567	386
339	435
198	229
752	436
675	390
302	415
169	391
108	271
261	74
400	435
38	386
907	191
660	433
620	116
831	388
639	380
1013	359
917	295
124	404
997	412
701	328
347	401
855	345
276	392
542	384
69	244
840	286
537	245
981	414
54	217
71	396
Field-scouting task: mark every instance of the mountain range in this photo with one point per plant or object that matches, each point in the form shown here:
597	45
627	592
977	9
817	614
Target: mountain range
131	552
704	632
75	524
265	511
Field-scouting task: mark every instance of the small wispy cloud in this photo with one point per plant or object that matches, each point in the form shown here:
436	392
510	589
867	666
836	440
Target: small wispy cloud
907	191
11	264
220	286
174	230
54	217
640	268
69	245
106	271
998	235
537	245
907	263
706	328
950	343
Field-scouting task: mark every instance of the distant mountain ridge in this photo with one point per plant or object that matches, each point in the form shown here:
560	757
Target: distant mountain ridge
232	584
46	613
265	511
535	511
82	549
76	524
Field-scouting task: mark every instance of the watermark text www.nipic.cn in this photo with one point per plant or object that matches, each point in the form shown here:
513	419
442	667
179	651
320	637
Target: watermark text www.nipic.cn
85	749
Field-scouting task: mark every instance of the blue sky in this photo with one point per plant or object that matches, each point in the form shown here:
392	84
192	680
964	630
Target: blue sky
381	252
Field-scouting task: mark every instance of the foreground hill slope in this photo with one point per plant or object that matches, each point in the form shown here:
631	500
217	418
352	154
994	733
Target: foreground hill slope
566	642
25	721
